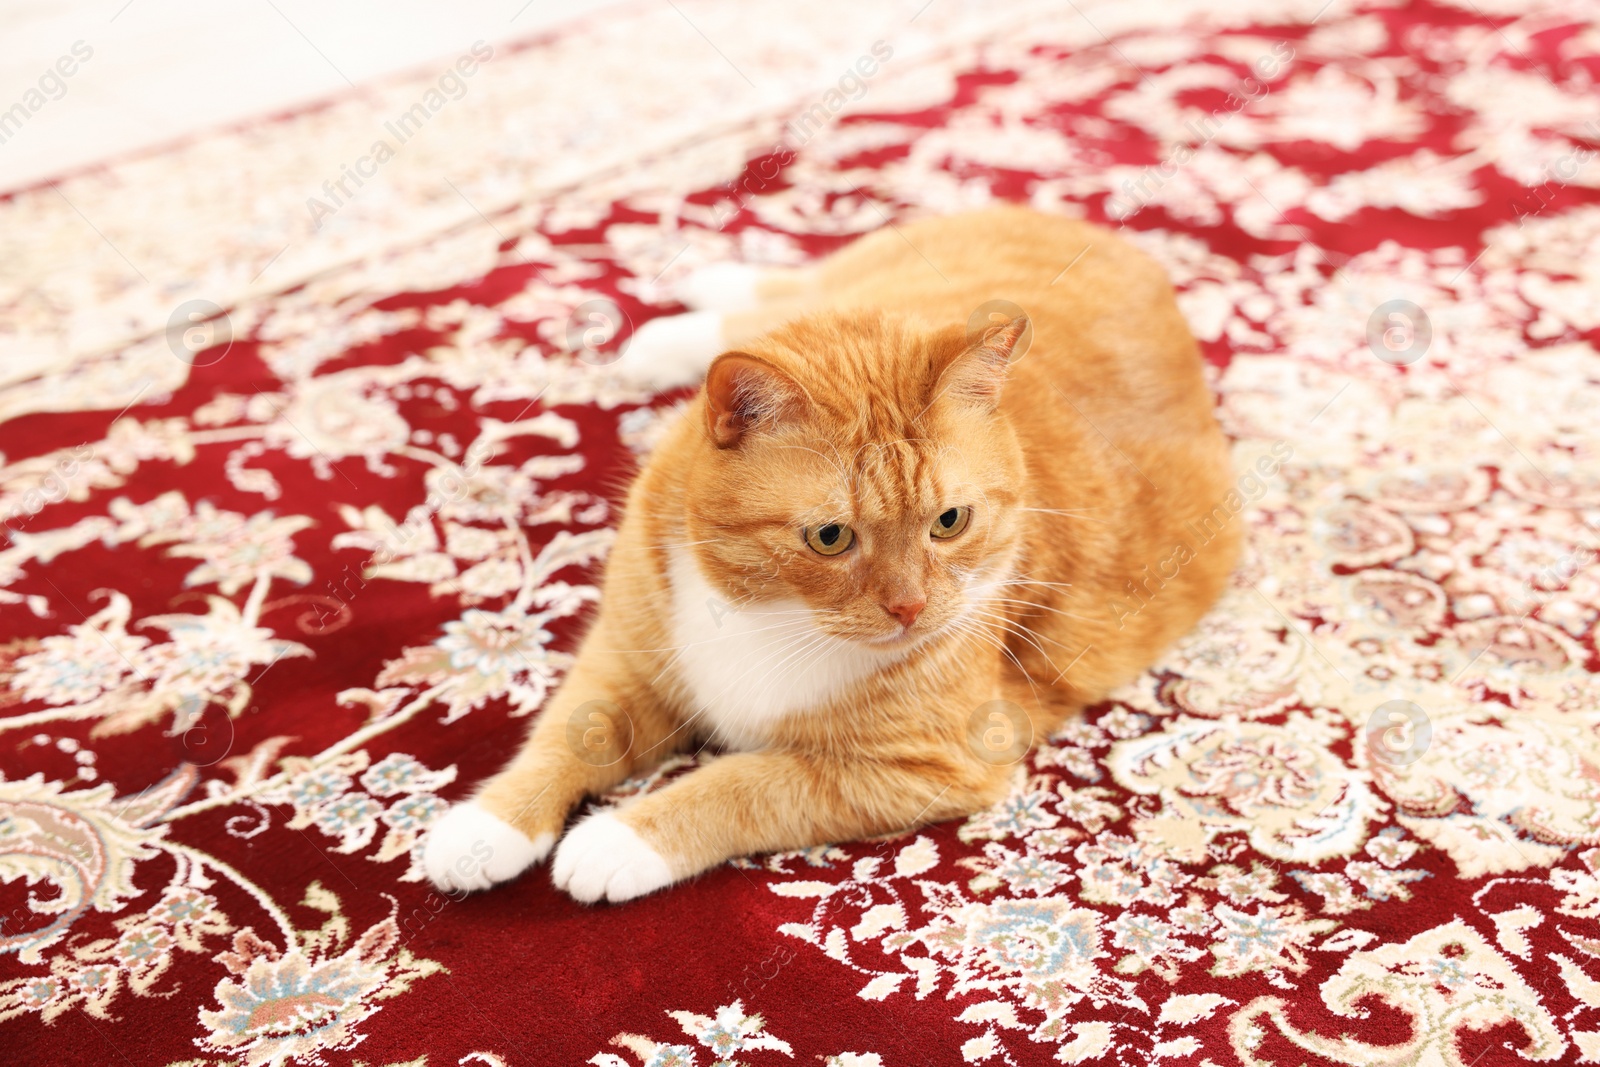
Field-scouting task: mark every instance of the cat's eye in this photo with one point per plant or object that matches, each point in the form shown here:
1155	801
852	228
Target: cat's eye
950	523
829	540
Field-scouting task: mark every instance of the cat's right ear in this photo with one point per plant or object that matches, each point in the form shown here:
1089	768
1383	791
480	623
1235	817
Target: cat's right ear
975	365
743	394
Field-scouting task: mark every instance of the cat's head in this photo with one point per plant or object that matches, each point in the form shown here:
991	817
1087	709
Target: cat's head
860	465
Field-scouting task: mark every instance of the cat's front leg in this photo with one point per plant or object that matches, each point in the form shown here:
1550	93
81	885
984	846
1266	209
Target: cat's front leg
584	742
761	802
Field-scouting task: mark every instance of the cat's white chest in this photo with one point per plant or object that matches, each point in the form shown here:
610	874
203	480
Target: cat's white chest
746	670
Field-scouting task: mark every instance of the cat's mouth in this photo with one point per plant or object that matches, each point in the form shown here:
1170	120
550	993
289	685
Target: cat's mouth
903	638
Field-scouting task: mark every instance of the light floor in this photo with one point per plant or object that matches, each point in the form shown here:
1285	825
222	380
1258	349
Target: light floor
166	69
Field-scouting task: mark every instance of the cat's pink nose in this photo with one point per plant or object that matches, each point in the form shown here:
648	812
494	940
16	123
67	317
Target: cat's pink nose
906	611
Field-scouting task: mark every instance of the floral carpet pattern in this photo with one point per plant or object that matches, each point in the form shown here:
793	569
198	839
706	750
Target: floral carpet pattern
282	579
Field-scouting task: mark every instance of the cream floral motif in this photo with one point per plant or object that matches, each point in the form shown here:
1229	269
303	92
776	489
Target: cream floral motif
1281	785
287	1004
353	799
292	1001
1446	980
91	976
78	842
725	1038
291	1006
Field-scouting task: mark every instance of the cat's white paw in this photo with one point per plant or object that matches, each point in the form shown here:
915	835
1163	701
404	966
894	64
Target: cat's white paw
669	352
602	858
469	848
721	287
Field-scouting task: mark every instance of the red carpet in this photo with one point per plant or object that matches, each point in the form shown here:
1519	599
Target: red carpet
265	615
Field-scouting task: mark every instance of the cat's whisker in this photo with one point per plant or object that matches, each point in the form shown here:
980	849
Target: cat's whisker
1022	632
1012	626
1047	658
677	653
1030	635
1033	604
784	653
705	641
804	656
742	610
1052	586
1067	513
975	629
1024	580
687	544
787	653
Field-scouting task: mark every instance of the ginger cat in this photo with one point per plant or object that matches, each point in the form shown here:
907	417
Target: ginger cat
877	556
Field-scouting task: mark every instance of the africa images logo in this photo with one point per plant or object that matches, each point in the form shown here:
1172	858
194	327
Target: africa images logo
451	85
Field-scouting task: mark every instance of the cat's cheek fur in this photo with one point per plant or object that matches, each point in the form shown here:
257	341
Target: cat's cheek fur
470	848
603	858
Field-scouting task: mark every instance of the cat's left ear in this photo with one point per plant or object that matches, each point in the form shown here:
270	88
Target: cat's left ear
976	368
744	393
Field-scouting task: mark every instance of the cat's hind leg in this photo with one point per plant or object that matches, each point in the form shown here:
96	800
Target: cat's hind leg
743	287
733	303
721	287
675	350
